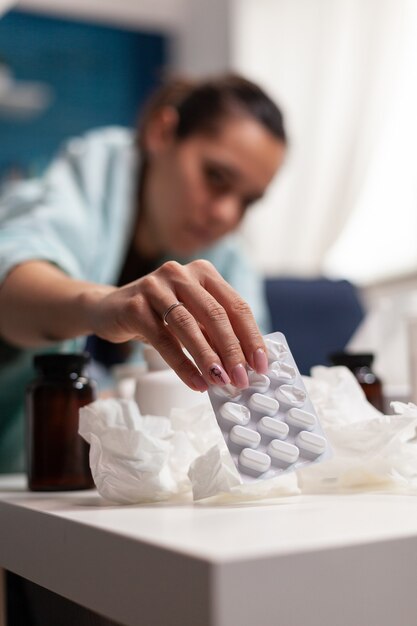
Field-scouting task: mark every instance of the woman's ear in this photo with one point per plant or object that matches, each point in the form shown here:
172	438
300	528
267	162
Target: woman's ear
160	131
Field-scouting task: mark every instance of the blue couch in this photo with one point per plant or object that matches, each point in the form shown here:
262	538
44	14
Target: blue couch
318	316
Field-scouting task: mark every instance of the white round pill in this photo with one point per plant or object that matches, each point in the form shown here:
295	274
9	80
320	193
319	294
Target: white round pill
245	437
263	404
282	372
290	395
227	391
255	460
310	442
258	382
301	419
277	351
283	451
234	413
273	428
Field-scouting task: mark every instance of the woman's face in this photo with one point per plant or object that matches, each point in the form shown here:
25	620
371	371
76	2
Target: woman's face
198	189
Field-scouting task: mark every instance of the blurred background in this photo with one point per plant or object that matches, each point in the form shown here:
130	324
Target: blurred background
343	71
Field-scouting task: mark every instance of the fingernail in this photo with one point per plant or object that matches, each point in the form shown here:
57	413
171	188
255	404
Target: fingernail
218	375
240	377
199	383
260	361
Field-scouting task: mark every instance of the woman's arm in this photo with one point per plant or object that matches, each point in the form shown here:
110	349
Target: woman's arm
40	304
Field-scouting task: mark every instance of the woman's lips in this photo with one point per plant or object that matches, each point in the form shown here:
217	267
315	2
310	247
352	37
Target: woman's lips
202	234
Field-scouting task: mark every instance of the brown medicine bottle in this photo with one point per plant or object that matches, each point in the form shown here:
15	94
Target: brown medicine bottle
361	366
57	456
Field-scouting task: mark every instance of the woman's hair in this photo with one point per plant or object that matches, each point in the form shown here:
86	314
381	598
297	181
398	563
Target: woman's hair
203	105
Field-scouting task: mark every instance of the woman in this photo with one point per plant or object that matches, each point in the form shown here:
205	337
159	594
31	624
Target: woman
89	249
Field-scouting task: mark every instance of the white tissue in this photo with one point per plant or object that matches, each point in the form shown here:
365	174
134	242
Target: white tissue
211	474
214	477
371	451
135	458
138	458
128	453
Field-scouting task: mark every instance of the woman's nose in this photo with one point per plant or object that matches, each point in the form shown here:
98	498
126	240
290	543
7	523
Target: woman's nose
225	209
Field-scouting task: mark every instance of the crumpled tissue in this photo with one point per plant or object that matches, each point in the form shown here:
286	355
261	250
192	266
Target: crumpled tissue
137	458
371	451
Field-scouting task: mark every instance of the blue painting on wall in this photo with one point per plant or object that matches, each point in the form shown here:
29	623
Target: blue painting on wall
92	75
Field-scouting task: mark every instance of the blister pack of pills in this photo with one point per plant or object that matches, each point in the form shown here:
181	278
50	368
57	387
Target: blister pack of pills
271	427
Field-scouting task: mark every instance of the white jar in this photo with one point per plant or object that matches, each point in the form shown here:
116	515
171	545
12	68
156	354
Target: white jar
160	389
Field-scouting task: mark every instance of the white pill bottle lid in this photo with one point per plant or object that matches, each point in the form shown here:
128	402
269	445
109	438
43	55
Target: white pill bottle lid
159	389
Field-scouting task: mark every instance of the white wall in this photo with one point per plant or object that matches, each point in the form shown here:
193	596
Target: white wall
203	42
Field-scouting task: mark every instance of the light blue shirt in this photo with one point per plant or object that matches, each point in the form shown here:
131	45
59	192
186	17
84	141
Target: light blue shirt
79	217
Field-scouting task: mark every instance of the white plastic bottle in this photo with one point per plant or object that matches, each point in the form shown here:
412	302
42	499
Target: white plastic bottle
159	389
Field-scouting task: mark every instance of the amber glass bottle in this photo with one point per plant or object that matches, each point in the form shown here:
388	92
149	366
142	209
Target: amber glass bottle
361	366
57	456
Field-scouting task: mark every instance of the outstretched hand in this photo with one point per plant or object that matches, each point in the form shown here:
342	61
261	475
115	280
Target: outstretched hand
211	320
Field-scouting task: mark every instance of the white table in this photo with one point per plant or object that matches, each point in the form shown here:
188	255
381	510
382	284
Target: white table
298	561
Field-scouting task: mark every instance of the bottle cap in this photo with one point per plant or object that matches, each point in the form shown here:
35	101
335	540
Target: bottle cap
61	363
352	360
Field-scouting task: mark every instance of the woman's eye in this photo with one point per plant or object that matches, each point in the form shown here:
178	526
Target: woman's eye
216	179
